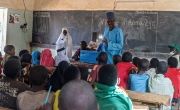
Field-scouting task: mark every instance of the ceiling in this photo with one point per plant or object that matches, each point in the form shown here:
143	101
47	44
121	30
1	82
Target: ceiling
151	5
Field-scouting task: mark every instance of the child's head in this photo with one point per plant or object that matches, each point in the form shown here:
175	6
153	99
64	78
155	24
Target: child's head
38	76
62	66
116	59
172	62
77	95
71	73
10	50
108	75
26	58
102	58
12	68
83	45
127	57
162	67
136	61
23	52
143	65
84	72
154	63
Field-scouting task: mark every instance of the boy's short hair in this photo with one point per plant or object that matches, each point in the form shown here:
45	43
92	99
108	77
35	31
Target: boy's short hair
71	73
84	43
12	68
77	95
162	67
172	62
8	48
23	52
127	57
38	75
84	72
116	59
108	75
136	61
102	58
154	63
144	65
26	58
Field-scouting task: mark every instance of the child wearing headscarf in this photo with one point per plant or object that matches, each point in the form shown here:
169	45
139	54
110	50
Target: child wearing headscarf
36	58
47	59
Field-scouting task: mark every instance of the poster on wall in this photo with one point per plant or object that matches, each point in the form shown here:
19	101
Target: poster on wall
14	18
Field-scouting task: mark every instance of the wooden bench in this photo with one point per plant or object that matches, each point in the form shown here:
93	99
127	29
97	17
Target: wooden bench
149	99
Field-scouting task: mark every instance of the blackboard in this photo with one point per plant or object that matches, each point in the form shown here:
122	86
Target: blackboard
148	31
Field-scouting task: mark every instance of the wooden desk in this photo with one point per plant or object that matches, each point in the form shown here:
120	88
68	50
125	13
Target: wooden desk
81	64
149	98
140	107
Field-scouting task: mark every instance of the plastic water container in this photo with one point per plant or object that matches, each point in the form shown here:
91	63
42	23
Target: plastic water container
87	56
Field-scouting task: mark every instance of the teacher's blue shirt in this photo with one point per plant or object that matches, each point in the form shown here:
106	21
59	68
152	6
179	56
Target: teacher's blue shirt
115	40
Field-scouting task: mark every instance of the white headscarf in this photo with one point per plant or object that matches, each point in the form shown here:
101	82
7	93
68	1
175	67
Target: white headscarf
67	42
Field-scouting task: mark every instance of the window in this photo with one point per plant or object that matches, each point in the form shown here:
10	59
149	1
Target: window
3	28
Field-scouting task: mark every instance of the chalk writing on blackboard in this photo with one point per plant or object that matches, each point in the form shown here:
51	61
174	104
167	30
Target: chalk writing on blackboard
140	22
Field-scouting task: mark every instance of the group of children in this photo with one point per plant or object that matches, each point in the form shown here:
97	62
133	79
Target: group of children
27	78
140	75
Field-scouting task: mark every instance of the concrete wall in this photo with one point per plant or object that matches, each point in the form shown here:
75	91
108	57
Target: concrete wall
15	36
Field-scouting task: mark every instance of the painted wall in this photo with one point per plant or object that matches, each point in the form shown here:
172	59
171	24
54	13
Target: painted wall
15	36
17	4
156	5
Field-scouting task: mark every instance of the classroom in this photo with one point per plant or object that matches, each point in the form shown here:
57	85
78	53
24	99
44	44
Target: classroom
90	55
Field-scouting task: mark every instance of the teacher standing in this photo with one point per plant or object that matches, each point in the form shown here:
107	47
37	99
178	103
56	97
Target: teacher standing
113	38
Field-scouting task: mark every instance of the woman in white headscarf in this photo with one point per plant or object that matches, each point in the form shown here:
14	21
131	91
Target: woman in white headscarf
63	47
66	37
